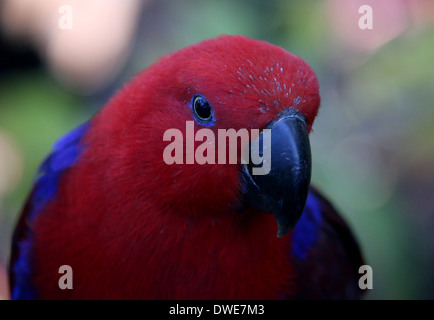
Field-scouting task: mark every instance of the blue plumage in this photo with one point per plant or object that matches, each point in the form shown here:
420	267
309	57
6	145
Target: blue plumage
308	227
64	154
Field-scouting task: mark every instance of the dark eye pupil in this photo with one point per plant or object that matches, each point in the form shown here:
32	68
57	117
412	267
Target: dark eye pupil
202	108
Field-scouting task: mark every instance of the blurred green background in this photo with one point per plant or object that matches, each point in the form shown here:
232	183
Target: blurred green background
373	140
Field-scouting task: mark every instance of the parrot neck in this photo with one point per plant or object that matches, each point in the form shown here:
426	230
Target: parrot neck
227	257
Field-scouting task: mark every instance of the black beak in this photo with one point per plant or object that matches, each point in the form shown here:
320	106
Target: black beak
283	190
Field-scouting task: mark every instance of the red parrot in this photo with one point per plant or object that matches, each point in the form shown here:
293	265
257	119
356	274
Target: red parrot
132	226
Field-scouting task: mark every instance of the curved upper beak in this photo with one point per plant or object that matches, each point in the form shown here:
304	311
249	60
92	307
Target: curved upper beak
280	184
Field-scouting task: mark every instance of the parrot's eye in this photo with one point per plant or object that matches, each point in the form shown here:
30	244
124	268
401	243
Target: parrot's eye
202	110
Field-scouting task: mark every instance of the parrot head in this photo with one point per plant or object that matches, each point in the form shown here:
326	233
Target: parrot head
231	82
